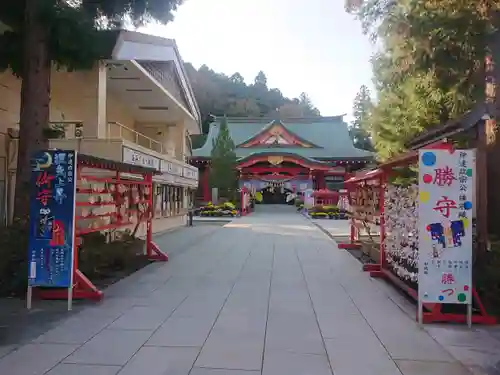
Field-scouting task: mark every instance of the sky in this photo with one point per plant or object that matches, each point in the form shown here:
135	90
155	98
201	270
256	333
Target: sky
310	46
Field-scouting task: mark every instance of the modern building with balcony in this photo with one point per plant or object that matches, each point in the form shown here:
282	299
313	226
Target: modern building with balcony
136	107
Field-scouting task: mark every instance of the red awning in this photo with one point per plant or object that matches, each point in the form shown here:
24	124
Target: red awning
365	176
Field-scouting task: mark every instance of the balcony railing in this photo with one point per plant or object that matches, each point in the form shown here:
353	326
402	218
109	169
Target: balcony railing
115	130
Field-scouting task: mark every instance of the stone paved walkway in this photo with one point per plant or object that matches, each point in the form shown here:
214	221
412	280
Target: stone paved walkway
267	294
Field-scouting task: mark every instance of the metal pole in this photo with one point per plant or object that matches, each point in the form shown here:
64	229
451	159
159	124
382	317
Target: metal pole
70	296
29	297
469	315
420	312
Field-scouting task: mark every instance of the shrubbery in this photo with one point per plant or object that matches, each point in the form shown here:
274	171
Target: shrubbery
327	212
97	259
14	259
487	279
224	209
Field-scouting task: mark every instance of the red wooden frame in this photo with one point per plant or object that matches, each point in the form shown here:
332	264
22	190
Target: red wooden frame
83	288
433	312
326	197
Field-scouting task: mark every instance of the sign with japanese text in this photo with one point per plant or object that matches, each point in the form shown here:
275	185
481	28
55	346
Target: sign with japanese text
291	184
445	226
52	223
170	168
138	158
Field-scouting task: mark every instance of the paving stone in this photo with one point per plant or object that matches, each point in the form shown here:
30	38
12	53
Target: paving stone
141	318
280	363
114	306
6	349
357	355
288	333
476	356
199	307
74	369
431	368
334	326
412	343
110	347
226	280
34	359
183	331
463	336
161	361
76	330
214	371
240	323
232	353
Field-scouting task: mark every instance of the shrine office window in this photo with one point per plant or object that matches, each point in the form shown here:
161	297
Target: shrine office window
334	183
164	203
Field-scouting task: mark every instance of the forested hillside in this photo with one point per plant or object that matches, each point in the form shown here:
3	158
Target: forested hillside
218	95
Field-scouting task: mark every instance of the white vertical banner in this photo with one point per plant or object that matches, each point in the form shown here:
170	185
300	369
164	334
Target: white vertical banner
445	226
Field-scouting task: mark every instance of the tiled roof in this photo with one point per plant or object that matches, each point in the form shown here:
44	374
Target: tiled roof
330	134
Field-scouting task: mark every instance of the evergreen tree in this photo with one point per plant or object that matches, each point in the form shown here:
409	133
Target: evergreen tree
309	110
360	127
65	33
260	79
429	67
223	174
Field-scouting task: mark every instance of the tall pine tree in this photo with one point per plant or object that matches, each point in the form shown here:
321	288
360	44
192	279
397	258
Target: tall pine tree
223	174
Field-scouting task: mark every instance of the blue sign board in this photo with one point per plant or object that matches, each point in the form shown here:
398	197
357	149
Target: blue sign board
52	218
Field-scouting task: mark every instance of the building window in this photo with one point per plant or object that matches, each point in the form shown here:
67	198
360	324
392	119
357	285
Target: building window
334	183
164	202
171	200
178	200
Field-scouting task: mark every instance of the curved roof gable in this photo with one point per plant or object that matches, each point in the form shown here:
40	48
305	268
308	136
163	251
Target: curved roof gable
329	135
275	134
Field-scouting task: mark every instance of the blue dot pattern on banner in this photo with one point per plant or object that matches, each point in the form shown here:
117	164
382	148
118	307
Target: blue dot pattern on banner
468	205
429	159
441	298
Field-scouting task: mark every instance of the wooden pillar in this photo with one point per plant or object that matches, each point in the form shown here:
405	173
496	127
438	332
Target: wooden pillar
482	188
486	133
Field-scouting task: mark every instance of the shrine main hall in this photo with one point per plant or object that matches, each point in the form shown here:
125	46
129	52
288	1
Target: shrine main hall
279	157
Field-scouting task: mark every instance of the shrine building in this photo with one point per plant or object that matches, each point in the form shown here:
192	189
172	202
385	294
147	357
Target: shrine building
282	157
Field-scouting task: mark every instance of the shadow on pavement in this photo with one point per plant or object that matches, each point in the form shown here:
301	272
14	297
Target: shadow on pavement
19	326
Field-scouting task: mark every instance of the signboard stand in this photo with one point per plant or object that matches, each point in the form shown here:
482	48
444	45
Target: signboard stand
429	311
51	251
111	195
445	227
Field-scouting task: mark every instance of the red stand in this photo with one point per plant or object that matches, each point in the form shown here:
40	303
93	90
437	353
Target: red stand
83	288
244	210
433	311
